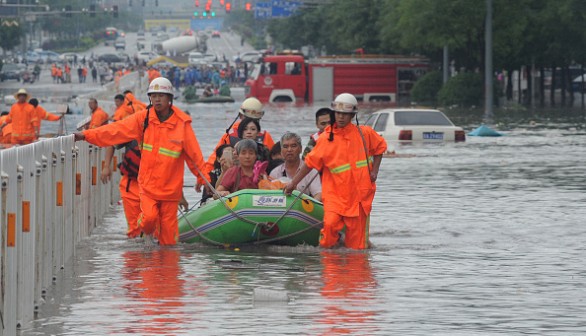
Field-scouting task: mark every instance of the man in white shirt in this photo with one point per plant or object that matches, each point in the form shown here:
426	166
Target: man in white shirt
291	152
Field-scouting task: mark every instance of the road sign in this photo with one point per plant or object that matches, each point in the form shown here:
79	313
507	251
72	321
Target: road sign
275	9
284	8
262	10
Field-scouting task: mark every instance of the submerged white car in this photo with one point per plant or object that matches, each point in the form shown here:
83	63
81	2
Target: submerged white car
409	125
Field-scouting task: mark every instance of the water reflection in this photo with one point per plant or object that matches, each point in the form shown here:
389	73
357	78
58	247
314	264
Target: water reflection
349	290
154	288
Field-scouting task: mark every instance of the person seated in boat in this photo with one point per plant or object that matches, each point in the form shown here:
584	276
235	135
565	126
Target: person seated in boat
241	176
275	157
291	152
323	118
207	91
249	128
225	89
250	108
224	161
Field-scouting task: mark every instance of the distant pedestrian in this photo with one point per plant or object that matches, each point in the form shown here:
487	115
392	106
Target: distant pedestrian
94	74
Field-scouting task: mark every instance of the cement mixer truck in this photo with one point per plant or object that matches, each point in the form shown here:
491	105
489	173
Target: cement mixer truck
177	45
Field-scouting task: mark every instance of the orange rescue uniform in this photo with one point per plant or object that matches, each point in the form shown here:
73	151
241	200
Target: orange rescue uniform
5	137
137	104
121	113
264	136
24	123
166	146
99	118
129	192
347	191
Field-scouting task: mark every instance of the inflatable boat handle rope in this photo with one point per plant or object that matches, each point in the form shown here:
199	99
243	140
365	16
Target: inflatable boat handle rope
268	226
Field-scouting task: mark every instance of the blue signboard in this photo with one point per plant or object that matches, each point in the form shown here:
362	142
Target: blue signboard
275	9
262	10
284	8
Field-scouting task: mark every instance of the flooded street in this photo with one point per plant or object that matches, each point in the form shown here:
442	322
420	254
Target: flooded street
478	238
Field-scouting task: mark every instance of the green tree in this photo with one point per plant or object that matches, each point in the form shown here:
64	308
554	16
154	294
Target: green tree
10	33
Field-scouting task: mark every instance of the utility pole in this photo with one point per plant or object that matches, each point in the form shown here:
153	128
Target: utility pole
488	71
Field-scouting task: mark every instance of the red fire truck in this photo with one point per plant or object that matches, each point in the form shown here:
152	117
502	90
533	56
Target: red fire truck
291	78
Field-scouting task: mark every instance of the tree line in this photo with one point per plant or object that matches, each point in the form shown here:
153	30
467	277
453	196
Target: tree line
539	34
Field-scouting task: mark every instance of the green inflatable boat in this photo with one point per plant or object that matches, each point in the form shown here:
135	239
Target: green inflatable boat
251	217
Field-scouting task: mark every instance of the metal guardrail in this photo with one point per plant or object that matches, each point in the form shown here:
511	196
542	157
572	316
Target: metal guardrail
51	199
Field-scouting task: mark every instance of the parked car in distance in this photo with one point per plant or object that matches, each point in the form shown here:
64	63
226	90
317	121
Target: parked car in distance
32	57
48	56
145	56
248	56
12	71
120	43
110	58
216	34
415	125
196	58
69	57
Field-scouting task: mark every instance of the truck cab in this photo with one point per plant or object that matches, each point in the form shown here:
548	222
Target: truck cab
278	79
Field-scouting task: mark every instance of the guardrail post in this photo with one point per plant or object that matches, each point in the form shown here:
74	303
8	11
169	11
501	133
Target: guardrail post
3	235
39	238
21	262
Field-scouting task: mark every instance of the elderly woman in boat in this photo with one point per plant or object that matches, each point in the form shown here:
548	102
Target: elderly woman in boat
242	176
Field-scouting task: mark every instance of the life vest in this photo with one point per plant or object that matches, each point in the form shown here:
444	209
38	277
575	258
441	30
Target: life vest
131	162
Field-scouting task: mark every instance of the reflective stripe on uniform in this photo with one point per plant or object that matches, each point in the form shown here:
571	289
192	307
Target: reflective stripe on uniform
363	163
147	147
340	169
168	152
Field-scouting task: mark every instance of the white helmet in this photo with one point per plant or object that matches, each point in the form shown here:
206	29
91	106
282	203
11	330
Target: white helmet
160	85
252	108
345	103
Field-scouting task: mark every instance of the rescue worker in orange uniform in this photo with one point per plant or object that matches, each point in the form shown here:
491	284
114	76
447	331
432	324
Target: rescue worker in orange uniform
25	123
128	187
99	117
349	158
42	114
153	73
251	108
121	110
6	132
133	101
168	142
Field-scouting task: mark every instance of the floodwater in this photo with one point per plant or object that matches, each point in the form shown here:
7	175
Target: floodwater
484	237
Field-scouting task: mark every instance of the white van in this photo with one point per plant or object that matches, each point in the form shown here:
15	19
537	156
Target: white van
196	58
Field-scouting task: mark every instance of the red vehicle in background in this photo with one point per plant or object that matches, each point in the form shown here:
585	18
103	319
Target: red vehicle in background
372	79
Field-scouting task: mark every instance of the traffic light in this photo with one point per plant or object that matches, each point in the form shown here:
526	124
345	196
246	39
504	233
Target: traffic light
143	3
115	11
92	10
221	2
130	3
208	7
156	3
196	3
205	14
228	6
196	14
213	14
248	6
